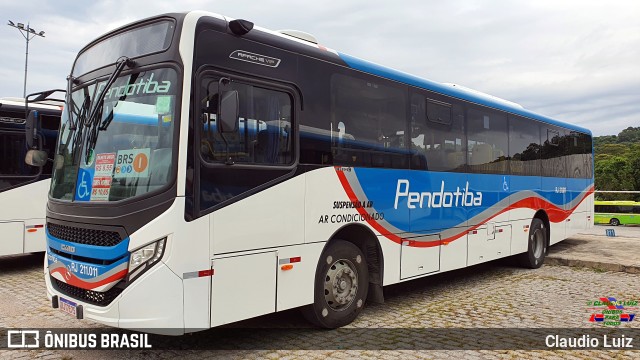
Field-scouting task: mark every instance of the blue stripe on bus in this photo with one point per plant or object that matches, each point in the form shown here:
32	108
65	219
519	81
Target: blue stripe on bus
90	251
412	80
383	188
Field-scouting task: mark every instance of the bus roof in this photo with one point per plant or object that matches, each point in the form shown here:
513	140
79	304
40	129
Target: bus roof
453	91
49	105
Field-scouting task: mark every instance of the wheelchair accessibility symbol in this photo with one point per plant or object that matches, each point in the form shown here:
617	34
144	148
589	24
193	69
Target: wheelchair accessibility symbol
505	184
84	184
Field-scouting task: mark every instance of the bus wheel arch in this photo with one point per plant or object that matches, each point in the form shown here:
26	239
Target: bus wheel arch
347	271
614	222
367	241
542	215
537	242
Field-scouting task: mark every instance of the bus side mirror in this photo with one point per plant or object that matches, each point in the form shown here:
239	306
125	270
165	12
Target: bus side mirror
36	157
30	128
229	111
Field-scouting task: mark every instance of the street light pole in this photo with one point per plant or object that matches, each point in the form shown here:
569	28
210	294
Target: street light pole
29	33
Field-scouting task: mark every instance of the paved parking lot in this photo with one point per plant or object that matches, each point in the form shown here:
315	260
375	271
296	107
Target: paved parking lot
621	231
494	295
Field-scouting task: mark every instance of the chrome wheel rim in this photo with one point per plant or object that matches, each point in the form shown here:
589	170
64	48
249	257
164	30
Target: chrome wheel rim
340	284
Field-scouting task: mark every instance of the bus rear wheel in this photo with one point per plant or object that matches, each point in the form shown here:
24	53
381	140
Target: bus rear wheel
341	286
614	222
537	247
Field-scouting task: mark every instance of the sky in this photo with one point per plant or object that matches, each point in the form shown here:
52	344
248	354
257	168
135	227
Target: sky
577	61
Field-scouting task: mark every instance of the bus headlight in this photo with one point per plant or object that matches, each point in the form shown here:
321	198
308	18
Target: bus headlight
145	257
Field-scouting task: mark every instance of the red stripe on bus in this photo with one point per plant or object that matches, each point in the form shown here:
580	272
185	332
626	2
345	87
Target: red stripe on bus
204	273
77	282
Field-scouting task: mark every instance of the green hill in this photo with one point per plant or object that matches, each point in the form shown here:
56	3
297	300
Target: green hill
617	164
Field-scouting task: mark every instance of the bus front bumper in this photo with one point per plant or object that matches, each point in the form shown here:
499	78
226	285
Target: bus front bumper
152	303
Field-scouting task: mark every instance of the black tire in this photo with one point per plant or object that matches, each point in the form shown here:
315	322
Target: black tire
341	286
614	222
537	247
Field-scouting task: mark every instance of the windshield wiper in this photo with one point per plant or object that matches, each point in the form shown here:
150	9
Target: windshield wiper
109	118
92	120
77	131
71	107
98	101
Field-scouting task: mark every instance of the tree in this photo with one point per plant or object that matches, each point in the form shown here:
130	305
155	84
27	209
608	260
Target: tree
630	134
617	164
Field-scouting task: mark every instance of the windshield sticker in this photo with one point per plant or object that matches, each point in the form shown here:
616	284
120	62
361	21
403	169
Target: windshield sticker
101	183
104	164
101	186
163	105
132	163
166	119
84	184
90	157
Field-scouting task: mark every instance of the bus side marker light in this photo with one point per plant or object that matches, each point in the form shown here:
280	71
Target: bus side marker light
203	273
197	274
286	267
33	228
292	260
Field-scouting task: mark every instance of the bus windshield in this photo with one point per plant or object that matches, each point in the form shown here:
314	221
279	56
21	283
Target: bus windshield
124	151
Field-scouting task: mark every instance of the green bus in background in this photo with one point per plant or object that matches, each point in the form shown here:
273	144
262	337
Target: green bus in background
617	212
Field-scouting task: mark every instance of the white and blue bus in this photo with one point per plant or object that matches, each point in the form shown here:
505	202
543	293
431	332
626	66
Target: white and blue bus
209	171
24	188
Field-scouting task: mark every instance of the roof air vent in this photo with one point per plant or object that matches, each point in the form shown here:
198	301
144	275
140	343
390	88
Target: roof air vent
299	35
484	95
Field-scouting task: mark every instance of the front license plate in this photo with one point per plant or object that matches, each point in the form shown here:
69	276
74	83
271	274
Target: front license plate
68	307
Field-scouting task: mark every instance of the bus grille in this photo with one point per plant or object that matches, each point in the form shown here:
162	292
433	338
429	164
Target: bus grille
84	236
88	296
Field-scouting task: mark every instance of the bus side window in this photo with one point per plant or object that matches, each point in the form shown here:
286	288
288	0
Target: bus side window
552	152
369	123
487	143
437	135
264	133
524	147
14	149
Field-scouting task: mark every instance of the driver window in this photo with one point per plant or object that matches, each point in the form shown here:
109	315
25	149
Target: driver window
264	131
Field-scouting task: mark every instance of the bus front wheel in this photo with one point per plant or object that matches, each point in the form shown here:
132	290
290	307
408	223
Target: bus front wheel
537	247
614	222
341	286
